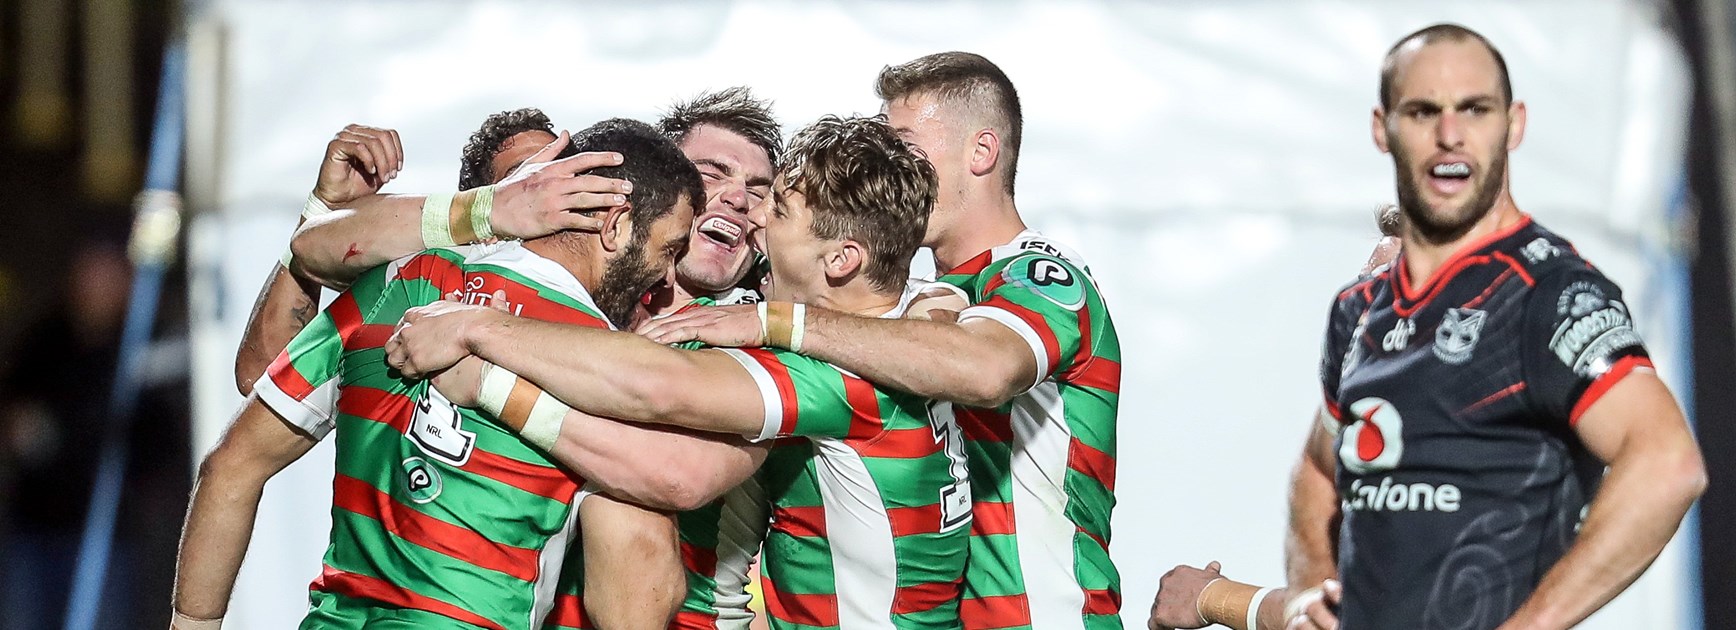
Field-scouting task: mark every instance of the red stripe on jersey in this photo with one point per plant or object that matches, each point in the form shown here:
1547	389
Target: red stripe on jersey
1622	368
1491	398
1332	405
525	301
283	374
1104	602
1095	538
973	266
699	559
1517	268
989	518
1037	323
807	610
365	587
924	597
369	336
865	421
1092	463
445	275
346	315
425	531
689	620
786	387
1097	373
809	522
1083	356
1446	271
983	425
901	444
396	411
569	612
1496	284
999	611
921	519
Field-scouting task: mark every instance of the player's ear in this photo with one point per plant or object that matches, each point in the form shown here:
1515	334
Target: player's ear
845	260
1515	124
1377	125
985	152
617	228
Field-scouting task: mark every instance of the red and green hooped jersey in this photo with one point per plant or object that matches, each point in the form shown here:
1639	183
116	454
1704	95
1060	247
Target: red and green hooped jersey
1042	466
871	511
441	517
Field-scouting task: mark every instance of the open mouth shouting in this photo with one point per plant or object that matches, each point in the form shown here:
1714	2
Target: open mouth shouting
722	232
1449	176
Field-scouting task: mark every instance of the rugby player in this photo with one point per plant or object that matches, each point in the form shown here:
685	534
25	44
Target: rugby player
513	543
1477	390
1036	358
877	498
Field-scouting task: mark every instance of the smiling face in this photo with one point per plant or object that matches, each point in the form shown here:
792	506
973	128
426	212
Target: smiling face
786	236
737	175
1449	130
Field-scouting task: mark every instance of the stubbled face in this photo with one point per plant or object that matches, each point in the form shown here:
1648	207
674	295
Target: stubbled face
737	175
920	120
634	269
786	237
1448	132
515	150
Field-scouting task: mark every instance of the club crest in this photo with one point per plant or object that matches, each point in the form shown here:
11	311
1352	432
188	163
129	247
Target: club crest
1457	334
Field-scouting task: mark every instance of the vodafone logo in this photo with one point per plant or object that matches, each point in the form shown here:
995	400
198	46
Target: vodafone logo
1375	441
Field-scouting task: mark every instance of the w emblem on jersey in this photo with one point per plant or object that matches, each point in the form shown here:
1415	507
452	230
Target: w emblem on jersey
1375	441
1457	335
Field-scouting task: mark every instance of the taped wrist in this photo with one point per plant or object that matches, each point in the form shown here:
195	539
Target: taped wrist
458	219
783	325
1231	603
313	208
183	622
521	405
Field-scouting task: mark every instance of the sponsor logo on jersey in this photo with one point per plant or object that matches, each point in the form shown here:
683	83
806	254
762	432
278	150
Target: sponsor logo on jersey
1457	334
1040	245
1399	337
1375	441
1049	278
1388	496
1593	329
1540	250
421	481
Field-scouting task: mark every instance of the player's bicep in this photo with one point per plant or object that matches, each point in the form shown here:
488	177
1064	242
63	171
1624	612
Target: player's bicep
1635	413
804	397
709	390
1046	301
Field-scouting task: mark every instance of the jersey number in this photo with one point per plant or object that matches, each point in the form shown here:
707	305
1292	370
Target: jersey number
436	430
955	500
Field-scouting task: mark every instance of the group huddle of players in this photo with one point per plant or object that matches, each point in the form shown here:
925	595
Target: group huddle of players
593	387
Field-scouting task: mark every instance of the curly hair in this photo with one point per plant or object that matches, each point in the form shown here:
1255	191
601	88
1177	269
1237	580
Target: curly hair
969	82
865	184
735	110
475	165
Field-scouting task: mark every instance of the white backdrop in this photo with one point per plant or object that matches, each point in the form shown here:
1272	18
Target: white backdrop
1212	160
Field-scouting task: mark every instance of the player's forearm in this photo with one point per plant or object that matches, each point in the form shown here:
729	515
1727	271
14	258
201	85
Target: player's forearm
944	361
633	573
1637	510
285	305
659	469
1313	517
335	248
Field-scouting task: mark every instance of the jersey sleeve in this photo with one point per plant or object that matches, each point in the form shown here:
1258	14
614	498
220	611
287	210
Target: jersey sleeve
1349	307
1579	342
301	385
1046	300
806	397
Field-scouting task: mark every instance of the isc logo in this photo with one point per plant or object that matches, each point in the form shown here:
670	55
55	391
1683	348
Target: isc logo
1375	441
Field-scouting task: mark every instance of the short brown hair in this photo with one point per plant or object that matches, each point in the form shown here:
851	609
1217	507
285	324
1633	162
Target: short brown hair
865	184
1443	32
964	80
734	110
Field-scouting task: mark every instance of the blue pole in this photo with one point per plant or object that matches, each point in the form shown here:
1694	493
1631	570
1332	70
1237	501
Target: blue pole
156	226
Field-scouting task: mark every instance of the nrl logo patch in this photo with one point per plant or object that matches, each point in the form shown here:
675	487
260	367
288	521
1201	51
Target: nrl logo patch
1457	334
1049	278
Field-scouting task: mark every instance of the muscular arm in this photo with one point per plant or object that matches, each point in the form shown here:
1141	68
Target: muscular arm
1313	525
633	574
1655	474
225	501
285	305
663	469
335	248
977	362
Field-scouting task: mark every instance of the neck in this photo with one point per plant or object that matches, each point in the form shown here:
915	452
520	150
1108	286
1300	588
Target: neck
1423	257
572	254
981	223
673	296
857	297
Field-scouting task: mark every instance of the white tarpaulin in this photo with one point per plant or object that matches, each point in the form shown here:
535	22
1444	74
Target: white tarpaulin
1211	160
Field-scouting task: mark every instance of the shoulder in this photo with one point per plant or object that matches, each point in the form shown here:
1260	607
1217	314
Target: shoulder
1052	277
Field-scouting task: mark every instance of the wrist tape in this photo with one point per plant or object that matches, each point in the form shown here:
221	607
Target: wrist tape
521	405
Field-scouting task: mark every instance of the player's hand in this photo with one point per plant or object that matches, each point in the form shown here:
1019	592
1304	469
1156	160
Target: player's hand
1312	608
461	383
432	338
543	197
1177	604
358	162
722	326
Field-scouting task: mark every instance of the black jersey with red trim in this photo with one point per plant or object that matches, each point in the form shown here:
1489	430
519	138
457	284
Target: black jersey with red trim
1459	472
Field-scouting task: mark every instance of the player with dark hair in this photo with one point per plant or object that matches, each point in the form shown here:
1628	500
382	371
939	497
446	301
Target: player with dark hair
441	519
505	140
1476	389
